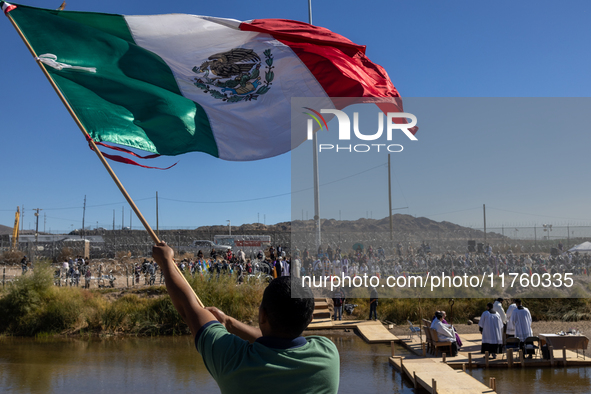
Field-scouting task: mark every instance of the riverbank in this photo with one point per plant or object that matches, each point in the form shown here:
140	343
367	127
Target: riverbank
33	306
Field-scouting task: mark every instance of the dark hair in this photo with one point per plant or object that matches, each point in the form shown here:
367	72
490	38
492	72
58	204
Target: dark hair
500	299
490	305
439	315
289	308
517	301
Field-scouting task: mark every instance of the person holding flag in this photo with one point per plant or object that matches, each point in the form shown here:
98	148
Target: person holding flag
246	359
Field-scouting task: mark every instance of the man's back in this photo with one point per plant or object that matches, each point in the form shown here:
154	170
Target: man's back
301	365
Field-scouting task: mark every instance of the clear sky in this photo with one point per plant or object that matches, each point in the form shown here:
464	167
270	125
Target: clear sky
525	175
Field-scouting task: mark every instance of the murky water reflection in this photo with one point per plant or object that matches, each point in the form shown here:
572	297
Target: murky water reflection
164	364
171	364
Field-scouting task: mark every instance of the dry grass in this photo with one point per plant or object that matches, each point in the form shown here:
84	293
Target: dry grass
34	307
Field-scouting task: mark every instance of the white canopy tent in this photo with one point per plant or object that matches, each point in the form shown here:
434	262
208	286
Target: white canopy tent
585	247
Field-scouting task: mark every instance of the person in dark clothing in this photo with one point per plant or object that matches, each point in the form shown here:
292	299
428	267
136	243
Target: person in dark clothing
338	299
373	303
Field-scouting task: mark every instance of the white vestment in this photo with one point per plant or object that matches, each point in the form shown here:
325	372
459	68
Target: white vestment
521	319
492	328
498	307
510	325
444	332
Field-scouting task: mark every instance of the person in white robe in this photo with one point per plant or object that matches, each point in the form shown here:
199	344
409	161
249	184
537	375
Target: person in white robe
521	319
491	327
498	307
510	325
445	333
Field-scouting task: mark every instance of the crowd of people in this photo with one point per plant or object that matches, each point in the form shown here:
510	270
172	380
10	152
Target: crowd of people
72	270
375	262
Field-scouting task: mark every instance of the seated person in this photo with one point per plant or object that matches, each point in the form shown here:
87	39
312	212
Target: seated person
458	340
445	333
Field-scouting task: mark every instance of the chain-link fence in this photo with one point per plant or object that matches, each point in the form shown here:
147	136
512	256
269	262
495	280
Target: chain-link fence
106	244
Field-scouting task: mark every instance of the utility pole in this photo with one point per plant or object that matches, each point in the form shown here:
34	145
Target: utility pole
130	225
484	213
390	204
315	166
157	223
83	217
44	221
22	218
122	217
113	220
36	229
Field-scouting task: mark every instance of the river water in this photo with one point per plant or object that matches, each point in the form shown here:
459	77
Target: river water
171	364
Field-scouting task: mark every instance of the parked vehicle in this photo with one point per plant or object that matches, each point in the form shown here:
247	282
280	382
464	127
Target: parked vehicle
206	247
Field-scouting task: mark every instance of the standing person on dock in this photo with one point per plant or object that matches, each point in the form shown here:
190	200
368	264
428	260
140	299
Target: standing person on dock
491	327
338	299
273	357
521	319
510	325
373	303
498	307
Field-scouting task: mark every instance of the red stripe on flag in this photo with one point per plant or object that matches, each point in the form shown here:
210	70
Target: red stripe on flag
6	7
339	65
125	160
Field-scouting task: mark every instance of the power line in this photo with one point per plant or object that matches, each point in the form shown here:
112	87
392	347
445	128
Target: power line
275	195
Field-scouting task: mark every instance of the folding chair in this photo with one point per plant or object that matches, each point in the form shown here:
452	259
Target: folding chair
512	343
530	348
413	330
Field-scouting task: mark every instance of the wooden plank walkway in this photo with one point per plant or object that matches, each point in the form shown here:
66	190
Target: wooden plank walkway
375	332
371	331
426	373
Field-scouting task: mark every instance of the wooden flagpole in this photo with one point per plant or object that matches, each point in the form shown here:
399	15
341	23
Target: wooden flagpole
95	149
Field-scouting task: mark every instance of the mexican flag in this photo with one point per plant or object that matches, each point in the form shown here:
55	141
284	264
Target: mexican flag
172	84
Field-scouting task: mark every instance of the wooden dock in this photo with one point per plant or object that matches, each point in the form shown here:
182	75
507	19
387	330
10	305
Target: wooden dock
469	356
371	331
437	377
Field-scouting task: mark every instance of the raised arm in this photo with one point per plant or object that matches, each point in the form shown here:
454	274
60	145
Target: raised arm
242	330
180	292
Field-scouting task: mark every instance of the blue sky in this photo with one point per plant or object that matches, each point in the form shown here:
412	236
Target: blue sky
528	175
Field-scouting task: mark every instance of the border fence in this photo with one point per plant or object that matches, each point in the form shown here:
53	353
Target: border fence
107	243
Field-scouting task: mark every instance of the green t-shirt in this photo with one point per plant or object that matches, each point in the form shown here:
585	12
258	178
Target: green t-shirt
272	365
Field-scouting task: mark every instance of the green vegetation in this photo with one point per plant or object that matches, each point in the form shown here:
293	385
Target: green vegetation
398	310
32	306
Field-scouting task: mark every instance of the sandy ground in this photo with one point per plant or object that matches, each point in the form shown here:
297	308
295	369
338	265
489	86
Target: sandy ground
118	270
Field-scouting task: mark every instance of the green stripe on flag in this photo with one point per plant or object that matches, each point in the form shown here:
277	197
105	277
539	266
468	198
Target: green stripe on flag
133	98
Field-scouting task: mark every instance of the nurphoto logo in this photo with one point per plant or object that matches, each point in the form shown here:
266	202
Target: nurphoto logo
344	132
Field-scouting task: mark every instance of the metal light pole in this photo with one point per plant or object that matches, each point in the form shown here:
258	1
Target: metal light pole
229	227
